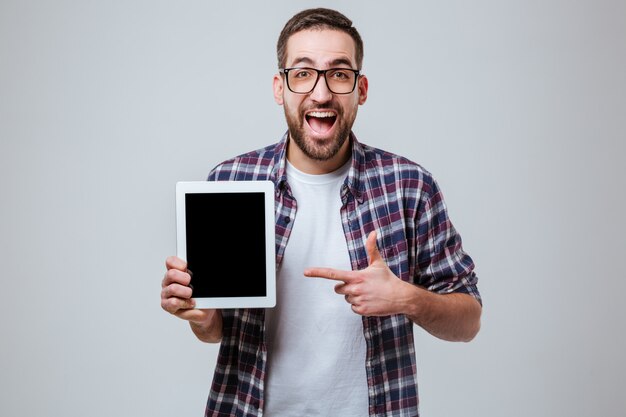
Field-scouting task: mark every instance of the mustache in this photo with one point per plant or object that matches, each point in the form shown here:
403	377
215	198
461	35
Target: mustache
326	106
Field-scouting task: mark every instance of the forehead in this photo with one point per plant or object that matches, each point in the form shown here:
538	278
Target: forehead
321	48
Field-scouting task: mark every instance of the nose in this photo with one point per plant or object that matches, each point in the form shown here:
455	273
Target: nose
321	93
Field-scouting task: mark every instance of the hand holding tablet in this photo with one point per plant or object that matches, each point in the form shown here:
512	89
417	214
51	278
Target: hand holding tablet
225	233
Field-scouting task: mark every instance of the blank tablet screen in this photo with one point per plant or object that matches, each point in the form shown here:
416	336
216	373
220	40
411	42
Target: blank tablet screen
226	244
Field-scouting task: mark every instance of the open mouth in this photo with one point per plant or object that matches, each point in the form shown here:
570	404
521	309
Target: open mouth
321	121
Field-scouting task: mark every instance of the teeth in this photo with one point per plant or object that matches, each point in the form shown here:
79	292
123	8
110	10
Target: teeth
321	114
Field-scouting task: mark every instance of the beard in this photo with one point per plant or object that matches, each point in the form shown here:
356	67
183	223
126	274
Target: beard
312	148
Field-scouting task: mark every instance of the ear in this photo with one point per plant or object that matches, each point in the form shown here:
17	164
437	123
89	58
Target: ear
362	86
278	89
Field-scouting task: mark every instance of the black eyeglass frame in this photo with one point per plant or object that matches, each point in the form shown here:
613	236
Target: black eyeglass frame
285	71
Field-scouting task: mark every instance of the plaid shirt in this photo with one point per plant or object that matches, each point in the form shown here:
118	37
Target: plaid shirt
382	192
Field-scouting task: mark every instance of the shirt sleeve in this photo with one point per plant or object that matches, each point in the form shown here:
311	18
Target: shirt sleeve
442	264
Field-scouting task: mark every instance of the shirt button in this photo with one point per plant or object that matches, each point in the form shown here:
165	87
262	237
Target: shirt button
287	220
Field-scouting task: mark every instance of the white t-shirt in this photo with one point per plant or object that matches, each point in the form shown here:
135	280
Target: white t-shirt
315	343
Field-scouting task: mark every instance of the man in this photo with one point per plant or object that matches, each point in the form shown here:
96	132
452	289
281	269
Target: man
364	248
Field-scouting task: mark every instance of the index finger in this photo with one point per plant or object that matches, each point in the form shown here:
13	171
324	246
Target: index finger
174	262
331	273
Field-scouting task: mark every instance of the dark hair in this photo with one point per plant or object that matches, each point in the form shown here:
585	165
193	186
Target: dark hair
318	19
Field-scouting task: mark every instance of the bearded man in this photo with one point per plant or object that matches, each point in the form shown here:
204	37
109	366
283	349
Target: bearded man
364	250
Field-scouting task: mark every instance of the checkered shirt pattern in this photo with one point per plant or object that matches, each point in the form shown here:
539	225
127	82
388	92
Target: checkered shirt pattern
382	192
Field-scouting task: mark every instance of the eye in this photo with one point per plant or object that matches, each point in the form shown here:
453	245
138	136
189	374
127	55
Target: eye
302	73
341	75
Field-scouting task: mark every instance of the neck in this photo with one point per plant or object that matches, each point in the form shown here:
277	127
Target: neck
303	163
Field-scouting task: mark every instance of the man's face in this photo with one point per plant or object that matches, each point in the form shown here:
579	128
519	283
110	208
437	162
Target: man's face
320	122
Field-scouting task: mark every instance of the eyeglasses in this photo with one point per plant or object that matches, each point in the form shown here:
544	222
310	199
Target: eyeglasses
304	80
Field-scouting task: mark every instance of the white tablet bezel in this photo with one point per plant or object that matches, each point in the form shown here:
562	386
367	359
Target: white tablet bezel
199	187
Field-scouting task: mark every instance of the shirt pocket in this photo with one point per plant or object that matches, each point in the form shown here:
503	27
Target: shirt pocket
392	248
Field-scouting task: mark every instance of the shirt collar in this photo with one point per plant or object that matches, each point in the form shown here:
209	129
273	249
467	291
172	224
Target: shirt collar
353	183
279	171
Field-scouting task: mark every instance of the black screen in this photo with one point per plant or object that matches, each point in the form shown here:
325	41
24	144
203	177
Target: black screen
226	244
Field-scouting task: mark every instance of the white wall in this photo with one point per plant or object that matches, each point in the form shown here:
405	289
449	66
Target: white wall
517	107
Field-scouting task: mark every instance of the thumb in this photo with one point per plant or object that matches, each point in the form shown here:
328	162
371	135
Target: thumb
372	250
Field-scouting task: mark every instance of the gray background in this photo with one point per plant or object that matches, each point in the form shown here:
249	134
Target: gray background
517	107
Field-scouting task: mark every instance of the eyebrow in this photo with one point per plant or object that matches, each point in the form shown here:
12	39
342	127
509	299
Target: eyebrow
335	62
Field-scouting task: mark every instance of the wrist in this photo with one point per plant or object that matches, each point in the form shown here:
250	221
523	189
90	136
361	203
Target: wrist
415	302
209	329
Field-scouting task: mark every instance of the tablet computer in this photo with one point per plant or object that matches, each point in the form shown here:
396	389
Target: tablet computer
225	231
